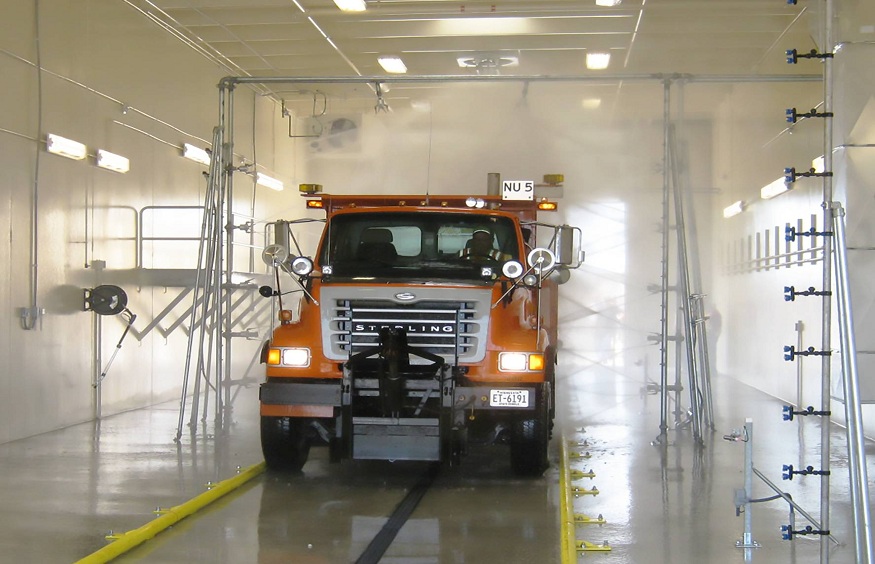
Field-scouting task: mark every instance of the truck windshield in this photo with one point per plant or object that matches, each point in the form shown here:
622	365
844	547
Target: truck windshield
418	245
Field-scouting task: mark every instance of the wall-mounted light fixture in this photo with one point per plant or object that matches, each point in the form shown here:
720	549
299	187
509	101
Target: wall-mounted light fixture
733	209
269	182
351	5
775	188
591	103
392	64
597	61
58	145
195	154
111	161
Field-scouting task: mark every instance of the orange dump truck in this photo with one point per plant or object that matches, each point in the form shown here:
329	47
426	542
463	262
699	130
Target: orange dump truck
424	324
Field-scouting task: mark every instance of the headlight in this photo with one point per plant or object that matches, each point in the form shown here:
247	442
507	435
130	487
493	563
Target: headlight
520	362
298	357
511	362
302	266
512	269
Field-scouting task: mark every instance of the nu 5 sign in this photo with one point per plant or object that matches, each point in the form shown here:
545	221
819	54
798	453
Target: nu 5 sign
517	189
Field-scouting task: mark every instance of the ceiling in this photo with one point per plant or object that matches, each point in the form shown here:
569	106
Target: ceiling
284	37
313	38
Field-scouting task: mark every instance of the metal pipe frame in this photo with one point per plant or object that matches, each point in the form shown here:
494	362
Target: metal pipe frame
853	410
685	293
226	120
826	345
230	81
663	342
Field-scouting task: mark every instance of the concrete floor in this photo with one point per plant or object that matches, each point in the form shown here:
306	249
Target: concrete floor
63	491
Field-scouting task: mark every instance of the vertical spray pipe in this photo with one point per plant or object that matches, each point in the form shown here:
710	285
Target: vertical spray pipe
663	343
747	538
224	316
826	345
853	412
685	295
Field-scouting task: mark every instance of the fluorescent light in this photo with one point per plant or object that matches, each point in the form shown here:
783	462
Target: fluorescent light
58	145
269	182
111	161
195	154
597	61
733	209
480	26
591	103
608	3
351	5
423	106
774	188
393	64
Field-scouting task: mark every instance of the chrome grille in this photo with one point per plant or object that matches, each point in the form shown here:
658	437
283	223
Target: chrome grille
440	320
436	328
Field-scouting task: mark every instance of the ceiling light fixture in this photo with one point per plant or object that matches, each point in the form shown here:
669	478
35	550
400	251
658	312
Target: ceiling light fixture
608	3
111	161
195	154
733	209
351	5
775	188
597	61
269	182
58	145
487	61
392	64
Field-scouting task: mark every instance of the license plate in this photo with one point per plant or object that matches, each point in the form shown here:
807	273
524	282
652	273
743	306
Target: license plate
509	398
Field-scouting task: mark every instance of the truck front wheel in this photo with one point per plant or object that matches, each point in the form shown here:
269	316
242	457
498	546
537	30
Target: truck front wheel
529	440
284	442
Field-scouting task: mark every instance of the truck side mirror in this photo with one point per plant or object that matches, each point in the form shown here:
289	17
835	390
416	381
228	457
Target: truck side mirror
566	246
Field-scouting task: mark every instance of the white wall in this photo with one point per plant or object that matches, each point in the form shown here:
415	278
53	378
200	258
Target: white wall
94	52
758	323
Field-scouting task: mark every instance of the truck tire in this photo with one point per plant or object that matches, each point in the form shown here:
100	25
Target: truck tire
284	443
529	440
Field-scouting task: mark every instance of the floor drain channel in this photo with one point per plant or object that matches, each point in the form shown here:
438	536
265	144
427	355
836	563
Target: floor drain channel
381	542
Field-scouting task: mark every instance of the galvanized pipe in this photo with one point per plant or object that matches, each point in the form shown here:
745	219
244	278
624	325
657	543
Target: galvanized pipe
663	343
747	537
853	411
602	78
826	310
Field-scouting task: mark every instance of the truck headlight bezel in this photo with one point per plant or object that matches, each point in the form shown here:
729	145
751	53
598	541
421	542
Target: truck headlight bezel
297	357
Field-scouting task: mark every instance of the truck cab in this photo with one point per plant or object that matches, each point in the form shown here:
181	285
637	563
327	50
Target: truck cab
424	325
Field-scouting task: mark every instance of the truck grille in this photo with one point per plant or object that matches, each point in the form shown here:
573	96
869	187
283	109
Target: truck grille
444	328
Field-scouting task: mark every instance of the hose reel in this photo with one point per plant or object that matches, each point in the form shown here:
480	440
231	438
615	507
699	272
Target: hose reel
109	300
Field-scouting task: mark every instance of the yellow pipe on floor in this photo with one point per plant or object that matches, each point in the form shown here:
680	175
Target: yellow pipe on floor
568	533
126	541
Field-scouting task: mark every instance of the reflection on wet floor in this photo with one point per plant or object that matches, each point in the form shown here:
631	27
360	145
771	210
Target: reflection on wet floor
664	503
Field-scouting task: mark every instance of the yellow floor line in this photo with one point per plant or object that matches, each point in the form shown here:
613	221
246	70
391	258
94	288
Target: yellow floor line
124	542
566	508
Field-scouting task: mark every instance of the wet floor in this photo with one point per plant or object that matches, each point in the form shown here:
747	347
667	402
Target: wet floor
669	503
